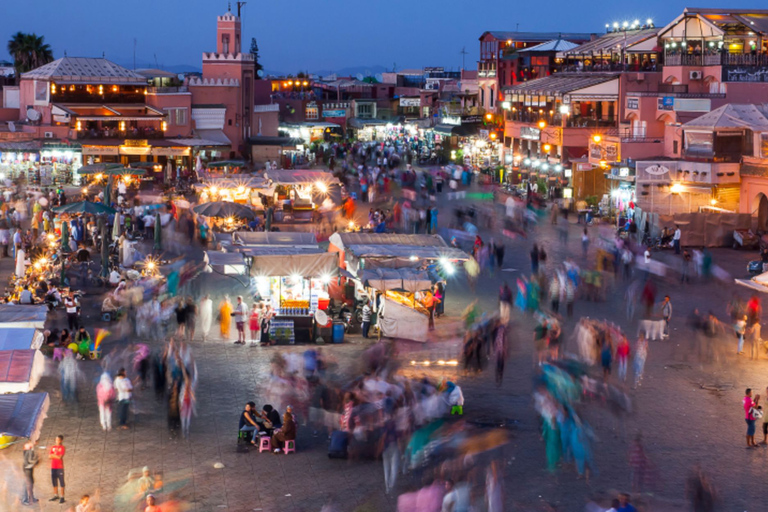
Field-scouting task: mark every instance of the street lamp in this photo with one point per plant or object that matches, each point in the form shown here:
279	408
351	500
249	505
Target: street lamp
542	125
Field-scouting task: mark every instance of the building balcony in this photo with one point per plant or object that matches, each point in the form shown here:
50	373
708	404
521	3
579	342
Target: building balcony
715	58
111	133
168	90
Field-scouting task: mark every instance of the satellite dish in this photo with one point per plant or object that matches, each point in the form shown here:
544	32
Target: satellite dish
260	73
321	318
11	126
380	78
33	115
360	76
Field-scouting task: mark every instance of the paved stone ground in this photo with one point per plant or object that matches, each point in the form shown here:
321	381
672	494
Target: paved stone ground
682	423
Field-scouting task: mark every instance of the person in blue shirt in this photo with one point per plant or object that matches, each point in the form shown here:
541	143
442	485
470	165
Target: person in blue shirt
624	504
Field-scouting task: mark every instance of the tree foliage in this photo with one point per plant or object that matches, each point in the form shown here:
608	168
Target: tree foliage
29	51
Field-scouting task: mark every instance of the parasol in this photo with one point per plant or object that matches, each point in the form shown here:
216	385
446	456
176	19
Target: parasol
84	207
158	233
116	227
224	209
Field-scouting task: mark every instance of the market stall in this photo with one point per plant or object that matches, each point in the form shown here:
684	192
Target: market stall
20	370
225	216
22	415
393	271
398	293
294	282
298	193
253	191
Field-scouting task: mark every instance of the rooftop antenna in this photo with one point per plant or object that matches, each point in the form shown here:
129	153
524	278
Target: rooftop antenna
517	27
134	54
229	6
239	7
103	55
463	53
157	66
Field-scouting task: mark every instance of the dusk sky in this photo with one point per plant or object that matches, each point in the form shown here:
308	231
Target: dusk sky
307	34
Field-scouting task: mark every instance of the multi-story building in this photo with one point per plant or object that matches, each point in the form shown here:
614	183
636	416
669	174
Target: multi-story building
625	97
502	65
93	110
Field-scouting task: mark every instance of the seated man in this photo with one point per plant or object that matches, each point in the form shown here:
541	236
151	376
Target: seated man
286	433
26	296
269	420
248	422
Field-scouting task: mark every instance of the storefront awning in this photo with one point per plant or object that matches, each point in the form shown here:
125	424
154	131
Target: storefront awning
216	136
356	122
561	84
459	130
274	238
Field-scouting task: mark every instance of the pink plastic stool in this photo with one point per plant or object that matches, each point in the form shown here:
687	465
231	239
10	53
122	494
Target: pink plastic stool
265	444
58	354
290	446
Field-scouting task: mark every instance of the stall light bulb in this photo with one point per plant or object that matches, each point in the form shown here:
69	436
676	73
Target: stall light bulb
322	187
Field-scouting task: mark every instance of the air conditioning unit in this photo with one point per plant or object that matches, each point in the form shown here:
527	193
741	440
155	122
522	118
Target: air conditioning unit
694	75
48	135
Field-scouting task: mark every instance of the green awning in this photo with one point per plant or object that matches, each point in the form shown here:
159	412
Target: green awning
226	163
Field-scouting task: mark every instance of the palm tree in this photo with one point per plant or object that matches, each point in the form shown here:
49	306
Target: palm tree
29	51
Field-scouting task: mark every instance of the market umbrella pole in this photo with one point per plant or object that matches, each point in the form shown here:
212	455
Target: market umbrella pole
108	192
158	234
104	248
64	236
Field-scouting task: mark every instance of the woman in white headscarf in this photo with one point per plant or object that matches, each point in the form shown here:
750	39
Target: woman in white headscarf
206	315
105	395
21	266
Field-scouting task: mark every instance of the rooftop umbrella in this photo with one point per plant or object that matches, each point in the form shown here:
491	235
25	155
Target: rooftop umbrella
84	207
158	233
104	247
224	209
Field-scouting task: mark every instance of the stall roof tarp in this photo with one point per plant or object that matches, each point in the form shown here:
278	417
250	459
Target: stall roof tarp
17	315
251	238
296	177
22	415
16	365
408	279
20	339
407	252
220	259
344	240
313	264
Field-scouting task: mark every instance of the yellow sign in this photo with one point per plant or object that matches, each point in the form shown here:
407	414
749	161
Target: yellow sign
136	142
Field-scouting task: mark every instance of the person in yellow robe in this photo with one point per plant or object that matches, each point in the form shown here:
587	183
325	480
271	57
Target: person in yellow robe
225	317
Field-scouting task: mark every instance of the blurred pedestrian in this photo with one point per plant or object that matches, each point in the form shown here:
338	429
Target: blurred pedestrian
30	460
206	315
749	417
124	390
105	395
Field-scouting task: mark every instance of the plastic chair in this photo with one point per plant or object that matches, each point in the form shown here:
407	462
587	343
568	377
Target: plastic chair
290	446
265	444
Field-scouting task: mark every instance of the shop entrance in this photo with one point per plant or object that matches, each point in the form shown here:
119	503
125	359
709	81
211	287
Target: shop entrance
762	213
